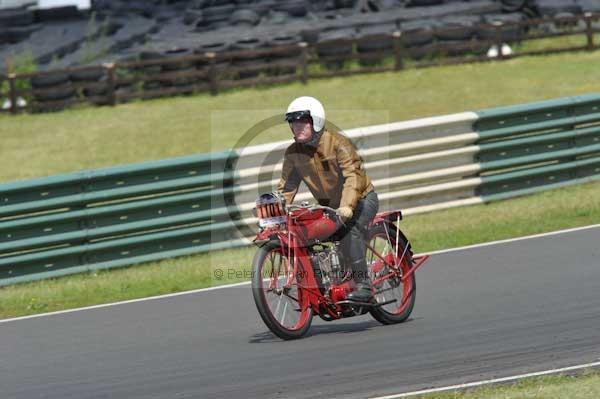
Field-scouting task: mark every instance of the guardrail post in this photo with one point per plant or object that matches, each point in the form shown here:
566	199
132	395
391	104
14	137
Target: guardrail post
304	66
398	61
498	38
212	72
589	31
110	83
13	92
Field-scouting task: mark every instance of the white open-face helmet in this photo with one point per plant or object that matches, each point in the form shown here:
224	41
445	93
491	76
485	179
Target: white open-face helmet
304	107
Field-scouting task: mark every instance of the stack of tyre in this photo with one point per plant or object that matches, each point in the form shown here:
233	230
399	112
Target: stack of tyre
16	25
564	12
52	91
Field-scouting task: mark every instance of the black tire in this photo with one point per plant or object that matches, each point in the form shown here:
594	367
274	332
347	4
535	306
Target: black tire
15	35
511	31
174	53
421	3
457	28
57	13
293	8
15	17
57	93
244	16
49	80
553	7
513	5
389	314
262	304
87	75
417	33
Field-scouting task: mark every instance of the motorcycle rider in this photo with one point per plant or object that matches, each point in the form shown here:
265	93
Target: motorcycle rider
328	163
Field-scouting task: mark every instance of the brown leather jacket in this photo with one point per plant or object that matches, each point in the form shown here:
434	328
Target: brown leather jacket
333	171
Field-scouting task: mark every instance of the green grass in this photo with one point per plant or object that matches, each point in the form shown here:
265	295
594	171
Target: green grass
40	145
548	211
585	386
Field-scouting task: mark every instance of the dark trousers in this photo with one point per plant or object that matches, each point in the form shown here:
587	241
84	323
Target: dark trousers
353	236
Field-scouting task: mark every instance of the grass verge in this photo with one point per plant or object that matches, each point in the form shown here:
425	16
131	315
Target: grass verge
584	386
549	211
46	144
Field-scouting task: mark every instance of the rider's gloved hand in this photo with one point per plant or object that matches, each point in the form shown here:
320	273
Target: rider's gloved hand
345	212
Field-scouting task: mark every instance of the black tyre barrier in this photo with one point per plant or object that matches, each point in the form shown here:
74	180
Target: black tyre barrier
177	52
553	7
150	69
310	36
375	39
294	8
333	44
293	54
192	16
514	5
419	3
95	91
457	27
343	3
417	52
54	93
511	31
589	5
244	17
183	80
242	60
15	17
261	9
88	75
57	13
111	27
458	48
417	33
49	80
566	21
215	47
218	13
16	34
141	8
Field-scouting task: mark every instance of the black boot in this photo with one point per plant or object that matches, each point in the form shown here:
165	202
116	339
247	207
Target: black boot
362	293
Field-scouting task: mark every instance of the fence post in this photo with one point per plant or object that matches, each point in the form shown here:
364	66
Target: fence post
399	62
13	92
498	38
304	66
588	30
110	83
212	72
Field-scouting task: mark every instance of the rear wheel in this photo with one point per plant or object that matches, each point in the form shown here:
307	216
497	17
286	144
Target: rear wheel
284	309
388	282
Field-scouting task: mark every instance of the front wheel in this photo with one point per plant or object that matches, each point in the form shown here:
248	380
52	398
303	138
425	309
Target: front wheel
388	283
283	308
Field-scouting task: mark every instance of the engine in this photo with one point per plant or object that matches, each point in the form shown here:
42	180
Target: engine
327	265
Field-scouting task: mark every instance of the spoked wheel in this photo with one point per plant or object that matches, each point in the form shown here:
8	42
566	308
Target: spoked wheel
282	307
387	281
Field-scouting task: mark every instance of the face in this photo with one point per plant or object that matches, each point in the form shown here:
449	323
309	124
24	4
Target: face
302	130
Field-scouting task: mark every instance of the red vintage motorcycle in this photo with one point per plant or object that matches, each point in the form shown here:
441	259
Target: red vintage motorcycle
299	271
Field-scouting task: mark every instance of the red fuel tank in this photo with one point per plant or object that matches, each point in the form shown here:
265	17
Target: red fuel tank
315	224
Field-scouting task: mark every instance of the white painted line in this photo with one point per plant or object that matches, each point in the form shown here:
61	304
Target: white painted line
487	382
487	244
106	305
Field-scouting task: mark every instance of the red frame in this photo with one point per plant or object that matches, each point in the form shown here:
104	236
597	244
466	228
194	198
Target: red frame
308	291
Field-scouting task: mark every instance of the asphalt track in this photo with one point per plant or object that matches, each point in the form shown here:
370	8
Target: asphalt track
481	313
